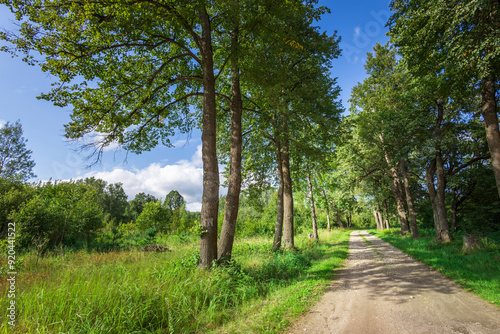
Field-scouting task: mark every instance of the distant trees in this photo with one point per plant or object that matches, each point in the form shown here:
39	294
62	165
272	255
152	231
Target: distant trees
15	158
63	213
86	213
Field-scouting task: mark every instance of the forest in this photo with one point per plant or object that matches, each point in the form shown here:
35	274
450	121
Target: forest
417	151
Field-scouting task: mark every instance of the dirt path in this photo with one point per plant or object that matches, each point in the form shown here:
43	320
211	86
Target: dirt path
382	290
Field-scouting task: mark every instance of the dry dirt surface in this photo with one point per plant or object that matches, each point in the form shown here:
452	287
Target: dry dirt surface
382	290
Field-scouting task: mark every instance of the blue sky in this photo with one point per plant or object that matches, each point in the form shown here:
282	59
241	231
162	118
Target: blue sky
360	23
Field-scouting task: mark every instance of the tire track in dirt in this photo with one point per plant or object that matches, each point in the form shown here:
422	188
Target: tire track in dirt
382	290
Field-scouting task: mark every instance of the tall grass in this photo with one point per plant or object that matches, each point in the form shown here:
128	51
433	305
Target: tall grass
478	271
137	292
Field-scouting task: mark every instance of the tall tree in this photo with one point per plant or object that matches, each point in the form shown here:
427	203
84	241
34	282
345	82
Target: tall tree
131	70
15	158
460	38
313	205
378	102
174	200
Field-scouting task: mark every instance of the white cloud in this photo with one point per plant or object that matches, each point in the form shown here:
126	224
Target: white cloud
185	176
2	123
357	31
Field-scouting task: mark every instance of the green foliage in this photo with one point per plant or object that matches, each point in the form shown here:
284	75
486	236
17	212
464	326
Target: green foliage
64	213
137	205
174	200
12	195
15	158
111	198
155	215
456	35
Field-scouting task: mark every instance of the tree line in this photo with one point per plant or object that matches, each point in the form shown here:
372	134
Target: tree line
87	213
254	77
423	130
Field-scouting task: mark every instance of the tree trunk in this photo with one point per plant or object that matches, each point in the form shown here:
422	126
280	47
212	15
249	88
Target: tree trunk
337	215
377	219
278	230
387	225
445	235
288	237
454	211
234	181
210	197
381	221
313	207
409	200
437	198
397	190
438	195
490	117
349	220
327	210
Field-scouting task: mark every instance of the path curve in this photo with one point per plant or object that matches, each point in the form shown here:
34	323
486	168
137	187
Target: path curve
382	290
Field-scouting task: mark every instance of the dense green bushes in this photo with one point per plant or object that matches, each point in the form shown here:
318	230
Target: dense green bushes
87	213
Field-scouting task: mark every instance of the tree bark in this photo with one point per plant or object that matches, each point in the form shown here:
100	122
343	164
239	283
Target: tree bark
490	118
210	197
327	210
313	207
441	199
387	225
454	210
337	215
437	200
288	236
234	181
381	221
397	190
409	200
278	230
377	219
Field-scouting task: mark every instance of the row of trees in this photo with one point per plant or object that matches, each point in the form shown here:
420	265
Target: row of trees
76	213
423	129
253	74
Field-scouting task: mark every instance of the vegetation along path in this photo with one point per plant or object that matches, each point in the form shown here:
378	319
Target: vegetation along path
383	290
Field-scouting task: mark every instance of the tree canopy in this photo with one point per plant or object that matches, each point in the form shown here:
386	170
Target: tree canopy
15	158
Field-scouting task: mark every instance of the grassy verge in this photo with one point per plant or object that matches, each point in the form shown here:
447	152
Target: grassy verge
478	271
137	292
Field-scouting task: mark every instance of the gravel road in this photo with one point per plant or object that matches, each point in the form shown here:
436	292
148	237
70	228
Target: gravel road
382	290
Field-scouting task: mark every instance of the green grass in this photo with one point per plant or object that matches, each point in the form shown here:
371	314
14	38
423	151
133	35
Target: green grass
478	271
137	292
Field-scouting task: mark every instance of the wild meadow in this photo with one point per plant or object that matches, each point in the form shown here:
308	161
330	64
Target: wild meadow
132	291
477	271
